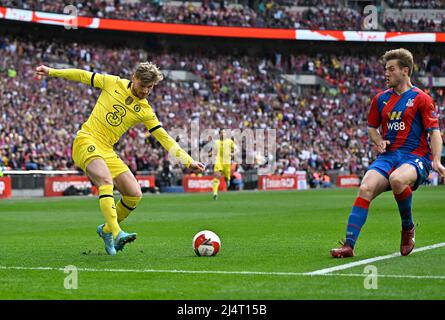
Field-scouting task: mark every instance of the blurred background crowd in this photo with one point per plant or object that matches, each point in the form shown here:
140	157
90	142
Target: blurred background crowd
319	128
300	14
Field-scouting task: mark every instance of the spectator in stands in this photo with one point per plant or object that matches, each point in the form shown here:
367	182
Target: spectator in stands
236	182
291	169
316	180
326	182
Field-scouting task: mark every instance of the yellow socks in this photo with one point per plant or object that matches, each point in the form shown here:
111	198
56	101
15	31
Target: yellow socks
125	205
215	186
108	208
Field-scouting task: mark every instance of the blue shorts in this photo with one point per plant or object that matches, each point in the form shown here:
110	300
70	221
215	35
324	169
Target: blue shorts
389	161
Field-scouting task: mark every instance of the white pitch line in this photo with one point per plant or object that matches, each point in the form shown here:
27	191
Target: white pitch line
370	260
303	274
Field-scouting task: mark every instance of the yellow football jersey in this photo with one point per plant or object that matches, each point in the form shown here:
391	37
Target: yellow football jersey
117	110
224	149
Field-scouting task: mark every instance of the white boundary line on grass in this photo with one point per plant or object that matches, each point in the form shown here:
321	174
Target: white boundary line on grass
265	273
370	260
323	272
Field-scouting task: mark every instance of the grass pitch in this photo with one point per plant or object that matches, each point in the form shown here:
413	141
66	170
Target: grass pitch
269	241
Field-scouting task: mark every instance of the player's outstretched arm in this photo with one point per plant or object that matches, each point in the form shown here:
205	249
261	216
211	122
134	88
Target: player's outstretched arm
86	77
174	149
436	150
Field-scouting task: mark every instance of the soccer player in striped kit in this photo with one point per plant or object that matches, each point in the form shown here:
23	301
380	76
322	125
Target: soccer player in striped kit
403	124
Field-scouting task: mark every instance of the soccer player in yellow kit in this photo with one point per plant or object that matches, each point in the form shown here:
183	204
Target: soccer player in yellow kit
225	149
121	105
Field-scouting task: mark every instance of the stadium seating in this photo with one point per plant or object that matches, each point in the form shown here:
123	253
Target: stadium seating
322	128
325	15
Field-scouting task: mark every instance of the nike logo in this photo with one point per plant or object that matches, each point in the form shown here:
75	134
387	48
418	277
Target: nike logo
117	91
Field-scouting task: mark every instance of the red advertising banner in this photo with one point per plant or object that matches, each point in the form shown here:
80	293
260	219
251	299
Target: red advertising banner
202	184
348	181
5	187
54	186
216	31
284	182
146	181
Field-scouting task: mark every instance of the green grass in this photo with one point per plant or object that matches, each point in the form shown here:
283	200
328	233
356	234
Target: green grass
260	232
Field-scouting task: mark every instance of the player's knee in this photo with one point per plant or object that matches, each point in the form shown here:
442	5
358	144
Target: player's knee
366	191
137	193
396	181
134	191
102	181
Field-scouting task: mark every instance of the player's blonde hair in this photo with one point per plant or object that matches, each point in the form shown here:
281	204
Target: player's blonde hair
148	72
403	56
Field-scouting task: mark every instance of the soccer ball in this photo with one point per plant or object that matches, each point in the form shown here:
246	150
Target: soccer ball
206	243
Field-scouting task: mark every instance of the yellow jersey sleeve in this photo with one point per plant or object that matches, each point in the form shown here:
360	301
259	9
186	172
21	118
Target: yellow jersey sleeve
96	80
151	122
171	145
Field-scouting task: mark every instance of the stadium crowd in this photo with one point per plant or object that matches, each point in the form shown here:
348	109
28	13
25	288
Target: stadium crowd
420	25
322	128
268	14
324	15
416	4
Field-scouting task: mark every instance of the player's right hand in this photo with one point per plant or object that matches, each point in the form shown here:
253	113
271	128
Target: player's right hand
42	71
381	145
437	166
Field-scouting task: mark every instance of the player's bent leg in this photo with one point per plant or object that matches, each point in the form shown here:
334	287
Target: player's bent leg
227	182
131	193
403	177
372	185
99	173
215	185
401	180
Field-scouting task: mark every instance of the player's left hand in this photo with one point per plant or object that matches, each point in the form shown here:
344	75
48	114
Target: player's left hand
437	166
198	167
42	71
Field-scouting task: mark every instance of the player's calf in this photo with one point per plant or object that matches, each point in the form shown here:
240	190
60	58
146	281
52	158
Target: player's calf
126	205
215	187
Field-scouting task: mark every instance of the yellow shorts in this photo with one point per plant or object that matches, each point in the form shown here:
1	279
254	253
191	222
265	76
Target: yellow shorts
86	149
224	168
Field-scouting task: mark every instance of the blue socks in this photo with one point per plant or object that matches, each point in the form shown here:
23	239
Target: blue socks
405	203
357	219
359	213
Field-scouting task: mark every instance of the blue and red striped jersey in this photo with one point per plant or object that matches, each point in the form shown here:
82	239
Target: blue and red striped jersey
405	120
